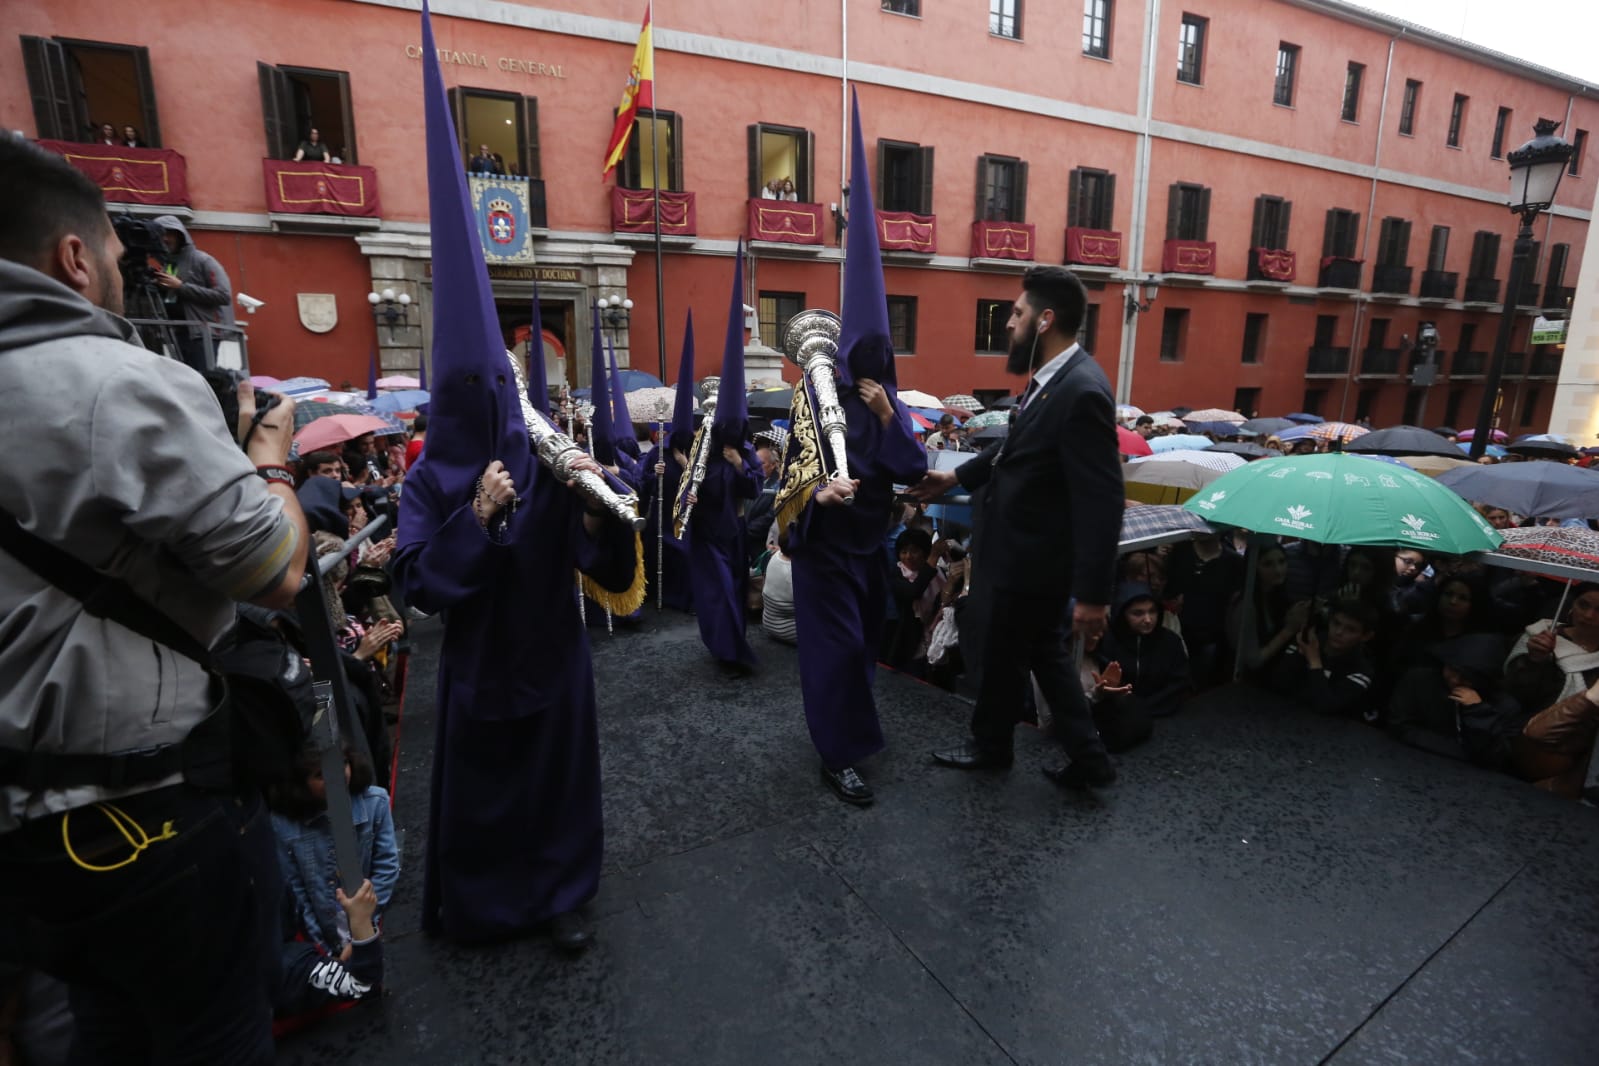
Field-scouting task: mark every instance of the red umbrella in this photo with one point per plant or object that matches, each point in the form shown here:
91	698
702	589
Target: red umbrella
1130	443
1499	436
336	429
920	421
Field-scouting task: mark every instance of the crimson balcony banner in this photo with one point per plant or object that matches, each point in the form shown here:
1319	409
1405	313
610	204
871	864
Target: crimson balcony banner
1275	265
633	211
1002	240
321	189
1093	247
1189	257
785	221
154	176
904	231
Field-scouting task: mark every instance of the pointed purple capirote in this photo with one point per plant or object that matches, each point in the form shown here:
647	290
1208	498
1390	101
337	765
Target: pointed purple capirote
621	421
732	416
475	414
863	343
538	383
372	374
602	433
682	427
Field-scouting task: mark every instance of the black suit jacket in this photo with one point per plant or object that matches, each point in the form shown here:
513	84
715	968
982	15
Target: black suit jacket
1049	497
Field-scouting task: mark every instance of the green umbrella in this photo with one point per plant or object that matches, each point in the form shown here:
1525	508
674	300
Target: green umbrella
1345	499
988	418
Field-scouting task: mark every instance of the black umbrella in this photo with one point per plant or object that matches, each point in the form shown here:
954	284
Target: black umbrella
770	400
1268	426
1542	447
1244	448
1180	411
1403	440
1446	431
1003	402
988	433
1539	490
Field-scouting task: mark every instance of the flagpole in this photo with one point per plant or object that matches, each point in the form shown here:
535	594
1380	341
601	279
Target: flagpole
655	179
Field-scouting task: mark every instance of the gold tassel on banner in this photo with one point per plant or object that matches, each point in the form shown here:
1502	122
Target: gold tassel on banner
619	603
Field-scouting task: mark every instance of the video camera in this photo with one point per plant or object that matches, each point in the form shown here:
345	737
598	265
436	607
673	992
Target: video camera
225	383
141	239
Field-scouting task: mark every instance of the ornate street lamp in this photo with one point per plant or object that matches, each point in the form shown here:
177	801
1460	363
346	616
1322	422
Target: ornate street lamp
1535	172
614	312
389	308
1149	285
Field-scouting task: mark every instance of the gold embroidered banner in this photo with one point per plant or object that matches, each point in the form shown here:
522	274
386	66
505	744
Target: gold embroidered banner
321	189
1093	247
785	221
1189	257
1002	240
1275	264
903	231
154	176
633	211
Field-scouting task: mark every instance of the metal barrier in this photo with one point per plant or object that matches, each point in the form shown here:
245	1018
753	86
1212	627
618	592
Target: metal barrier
217	339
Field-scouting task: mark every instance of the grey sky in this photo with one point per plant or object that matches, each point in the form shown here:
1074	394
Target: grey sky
1560	34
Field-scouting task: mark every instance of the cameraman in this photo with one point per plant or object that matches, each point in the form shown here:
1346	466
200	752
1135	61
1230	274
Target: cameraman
154	899
193	288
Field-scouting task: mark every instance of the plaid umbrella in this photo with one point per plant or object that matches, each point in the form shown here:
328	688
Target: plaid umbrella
1221	462
964	402
988	418
310	411
1553	544
1213	414
1140	520
651	405
1344	431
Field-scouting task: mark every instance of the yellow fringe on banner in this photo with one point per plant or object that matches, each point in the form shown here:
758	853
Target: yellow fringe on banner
802	462
619	603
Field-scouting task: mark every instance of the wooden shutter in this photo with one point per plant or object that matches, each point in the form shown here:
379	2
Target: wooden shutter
151	130
1019	199
1257	238
1354	234
1284	213
1555	276
457	99
1329	234
277	112
926	160
1203	230
1403	256
45	62
1532	263
532	158
676	127
882	174
981	211
1174	207
1106	210
806	179
1074	193
752	144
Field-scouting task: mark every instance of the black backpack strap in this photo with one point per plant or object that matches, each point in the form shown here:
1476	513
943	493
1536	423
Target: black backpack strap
112	599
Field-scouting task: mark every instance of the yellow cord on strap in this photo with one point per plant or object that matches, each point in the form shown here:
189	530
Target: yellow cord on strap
134	833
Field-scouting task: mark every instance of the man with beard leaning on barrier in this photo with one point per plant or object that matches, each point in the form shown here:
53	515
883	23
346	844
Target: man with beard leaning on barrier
154	899
1048	517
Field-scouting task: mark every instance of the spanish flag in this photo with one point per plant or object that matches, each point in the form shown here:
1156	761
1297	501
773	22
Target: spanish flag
640	92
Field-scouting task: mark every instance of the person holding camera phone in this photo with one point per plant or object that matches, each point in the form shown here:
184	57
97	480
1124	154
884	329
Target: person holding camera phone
152	895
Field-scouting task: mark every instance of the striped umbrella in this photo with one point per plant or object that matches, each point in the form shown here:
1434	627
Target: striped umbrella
309	411
1341	431
1221	462
964	402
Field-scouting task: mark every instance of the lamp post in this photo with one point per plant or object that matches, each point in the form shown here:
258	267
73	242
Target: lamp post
614	312
1535	172
389	308
1149	286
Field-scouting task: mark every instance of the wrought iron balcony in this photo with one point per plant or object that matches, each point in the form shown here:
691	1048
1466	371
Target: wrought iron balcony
1338	272
1380	362
1544	365
1439	284
1482	290
1391	279
1468	364
1327	362
1515	364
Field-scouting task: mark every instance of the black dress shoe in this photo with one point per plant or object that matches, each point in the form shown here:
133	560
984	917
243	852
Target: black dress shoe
973	756
734	670
570	932
1083	773
849	786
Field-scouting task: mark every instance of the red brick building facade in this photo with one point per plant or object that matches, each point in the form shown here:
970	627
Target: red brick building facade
1309	183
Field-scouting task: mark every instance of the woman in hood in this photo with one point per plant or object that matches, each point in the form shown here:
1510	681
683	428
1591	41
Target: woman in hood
1455	705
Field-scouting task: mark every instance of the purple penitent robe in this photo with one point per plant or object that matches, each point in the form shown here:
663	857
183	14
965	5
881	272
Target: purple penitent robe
515	834
717	555
841	585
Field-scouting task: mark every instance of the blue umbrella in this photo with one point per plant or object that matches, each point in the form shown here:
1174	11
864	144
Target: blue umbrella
1179	442
401	400
932	414
1303	419
633	380
297	387
1219	429
1493	451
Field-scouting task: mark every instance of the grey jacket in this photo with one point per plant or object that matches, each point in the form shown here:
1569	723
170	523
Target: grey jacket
207	295
120	458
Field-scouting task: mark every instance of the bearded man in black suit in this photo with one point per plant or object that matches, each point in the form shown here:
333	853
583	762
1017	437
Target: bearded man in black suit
1049	501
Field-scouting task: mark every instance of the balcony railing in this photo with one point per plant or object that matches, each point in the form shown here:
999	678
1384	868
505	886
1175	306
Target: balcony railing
157	177
1338	272
1093	247
309	188
1391	279
786	222
906	231
1003	240
1531	292
633	211
1272	264
1439	284
1544	365
1468	365
1327	362
1189	257
1558	297
1380	362
1515	364
1482	290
